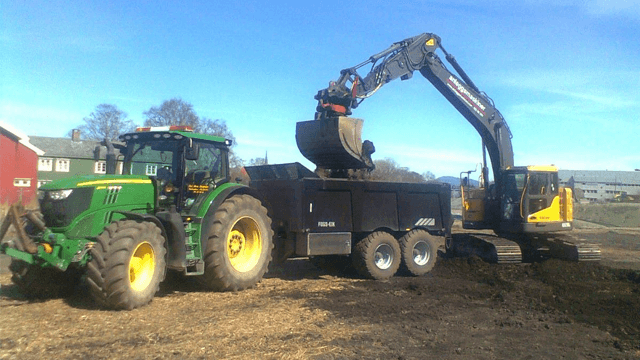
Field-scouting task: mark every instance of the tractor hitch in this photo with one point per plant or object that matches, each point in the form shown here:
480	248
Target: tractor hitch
14	216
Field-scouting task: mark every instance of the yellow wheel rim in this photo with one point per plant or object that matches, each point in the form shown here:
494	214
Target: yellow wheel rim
244	244
142	266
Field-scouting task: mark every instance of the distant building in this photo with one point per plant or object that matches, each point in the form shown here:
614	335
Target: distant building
18	167
68	157
600	185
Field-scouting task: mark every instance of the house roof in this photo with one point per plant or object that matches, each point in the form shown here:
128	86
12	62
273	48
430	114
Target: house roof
21	137
67	148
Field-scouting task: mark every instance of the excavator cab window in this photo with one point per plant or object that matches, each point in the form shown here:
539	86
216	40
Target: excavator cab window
542	187
538	184
514	184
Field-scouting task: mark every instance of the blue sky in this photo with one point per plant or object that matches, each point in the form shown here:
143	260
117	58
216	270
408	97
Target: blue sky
565	74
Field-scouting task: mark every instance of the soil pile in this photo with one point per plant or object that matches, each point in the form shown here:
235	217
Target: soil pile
464	308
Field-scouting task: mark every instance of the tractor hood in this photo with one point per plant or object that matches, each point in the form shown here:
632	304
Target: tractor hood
85	204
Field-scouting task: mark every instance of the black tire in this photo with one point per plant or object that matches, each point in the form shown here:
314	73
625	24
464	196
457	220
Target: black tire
37	282
377	256
419	252
239	245
127	264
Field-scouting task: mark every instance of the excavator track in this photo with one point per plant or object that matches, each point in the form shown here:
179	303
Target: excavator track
569	247
490	248
503	250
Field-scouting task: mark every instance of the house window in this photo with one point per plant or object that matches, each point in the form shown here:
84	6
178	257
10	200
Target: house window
42	182
100	167
62	165
151	170
45	164
22	182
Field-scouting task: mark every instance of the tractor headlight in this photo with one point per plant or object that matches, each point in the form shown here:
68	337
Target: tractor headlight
60	194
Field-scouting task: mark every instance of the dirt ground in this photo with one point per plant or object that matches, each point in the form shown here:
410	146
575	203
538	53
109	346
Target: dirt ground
463	309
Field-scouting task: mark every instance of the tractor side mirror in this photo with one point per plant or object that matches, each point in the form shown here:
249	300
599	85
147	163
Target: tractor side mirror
193	151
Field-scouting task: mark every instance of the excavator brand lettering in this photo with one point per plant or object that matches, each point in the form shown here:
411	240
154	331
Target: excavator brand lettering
465	95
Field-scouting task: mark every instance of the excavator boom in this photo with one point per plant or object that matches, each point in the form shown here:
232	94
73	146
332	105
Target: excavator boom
400	60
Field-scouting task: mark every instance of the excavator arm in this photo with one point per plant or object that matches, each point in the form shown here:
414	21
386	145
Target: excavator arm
400	60
525	204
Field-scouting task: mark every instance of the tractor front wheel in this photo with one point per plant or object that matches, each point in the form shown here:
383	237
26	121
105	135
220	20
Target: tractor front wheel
239	244
127	265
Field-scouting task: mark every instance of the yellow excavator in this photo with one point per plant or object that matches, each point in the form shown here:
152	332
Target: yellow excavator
529	213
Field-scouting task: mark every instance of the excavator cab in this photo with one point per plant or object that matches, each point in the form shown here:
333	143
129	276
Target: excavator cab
532	200
529	201
474	202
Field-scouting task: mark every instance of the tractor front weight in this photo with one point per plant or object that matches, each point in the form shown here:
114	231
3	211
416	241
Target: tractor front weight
53	250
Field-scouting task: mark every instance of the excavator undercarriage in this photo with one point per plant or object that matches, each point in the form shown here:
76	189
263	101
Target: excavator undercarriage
519	248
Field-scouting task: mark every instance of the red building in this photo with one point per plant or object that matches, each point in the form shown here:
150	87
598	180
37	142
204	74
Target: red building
18	167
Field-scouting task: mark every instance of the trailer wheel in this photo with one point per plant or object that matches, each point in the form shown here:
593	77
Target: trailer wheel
377	256
34	281
239	245
127	265
419	252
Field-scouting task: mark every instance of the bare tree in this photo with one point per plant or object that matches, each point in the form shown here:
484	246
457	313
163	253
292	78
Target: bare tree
215	127
428	176
389	170
106	121
179	112
172	112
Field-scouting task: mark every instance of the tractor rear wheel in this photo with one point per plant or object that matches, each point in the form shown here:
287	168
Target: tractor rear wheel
419	252
377	256
239	244
127	265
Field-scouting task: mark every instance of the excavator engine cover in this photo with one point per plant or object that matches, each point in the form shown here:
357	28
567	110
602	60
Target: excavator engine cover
334	143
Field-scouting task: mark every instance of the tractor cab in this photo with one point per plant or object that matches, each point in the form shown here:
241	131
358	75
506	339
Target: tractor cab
183	164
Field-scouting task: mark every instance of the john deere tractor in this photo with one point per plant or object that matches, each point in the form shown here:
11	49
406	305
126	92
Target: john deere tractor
173	208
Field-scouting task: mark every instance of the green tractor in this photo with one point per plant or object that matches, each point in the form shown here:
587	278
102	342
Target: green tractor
174	207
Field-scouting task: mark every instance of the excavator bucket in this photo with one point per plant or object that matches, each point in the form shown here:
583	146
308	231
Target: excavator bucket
334	143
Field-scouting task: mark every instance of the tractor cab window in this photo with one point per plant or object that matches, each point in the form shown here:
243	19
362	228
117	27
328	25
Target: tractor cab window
203	173
153	159
207	167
